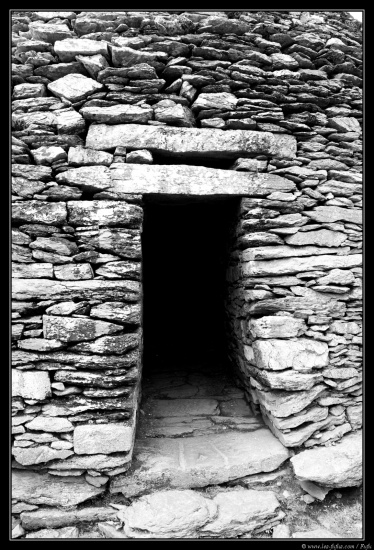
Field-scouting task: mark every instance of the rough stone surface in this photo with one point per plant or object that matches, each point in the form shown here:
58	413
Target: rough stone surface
40	489
303	354
200	461
338	466
103	438
31	385
76	330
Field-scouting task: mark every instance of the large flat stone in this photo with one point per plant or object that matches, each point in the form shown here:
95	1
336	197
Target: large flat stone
88	178
45	289
276	252
123	242
322	237
67	49
118	114
336	466
196	142
74	87
31	385
38	455
284	403
103	438
39	489
200	461
297	265
193	180
302	354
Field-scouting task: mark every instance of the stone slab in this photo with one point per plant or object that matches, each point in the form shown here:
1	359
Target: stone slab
297	265
176	179
35	488
200	461
182	407
195	142
54	517
46	289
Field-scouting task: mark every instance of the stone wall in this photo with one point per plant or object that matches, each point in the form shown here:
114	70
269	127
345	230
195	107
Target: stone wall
100	101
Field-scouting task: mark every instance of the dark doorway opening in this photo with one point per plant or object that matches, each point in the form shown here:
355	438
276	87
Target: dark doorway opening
186	244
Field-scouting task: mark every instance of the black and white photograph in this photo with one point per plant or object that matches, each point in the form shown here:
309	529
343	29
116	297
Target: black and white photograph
186	292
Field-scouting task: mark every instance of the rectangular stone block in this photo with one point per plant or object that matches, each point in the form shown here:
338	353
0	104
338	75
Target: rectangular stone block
39	212
103	438
70	329
32	271
191	142
31	384
175	179
116	213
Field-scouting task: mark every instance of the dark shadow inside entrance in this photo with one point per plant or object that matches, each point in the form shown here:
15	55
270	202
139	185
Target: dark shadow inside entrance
185	252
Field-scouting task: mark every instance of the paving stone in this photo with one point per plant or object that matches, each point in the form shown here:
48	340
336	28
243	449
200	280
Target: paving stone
182	407
200	461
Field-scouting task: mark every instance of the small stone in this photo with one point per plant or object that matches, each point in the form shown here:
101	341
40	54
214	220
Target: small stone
141	156
308	499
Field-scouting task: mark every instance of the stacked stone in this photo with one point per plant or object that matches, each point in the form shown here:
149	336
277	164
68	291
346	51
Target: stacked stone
77	329
95	95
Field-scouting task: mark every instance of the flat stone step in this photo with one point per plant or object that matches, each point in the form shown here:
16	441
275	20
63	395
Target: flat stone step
181	407
199	461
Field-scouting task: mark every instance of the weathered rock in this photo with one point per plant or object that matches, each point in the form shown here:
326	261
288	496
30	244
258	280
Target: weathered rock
32	271
190	141
314	490
39	212
124	242
50	424
88	178
302	354
108	344
206	460
79	156
40	344
48	155
285	380
345	124
69	329
281	531
100	463
215	101
67	49
338	466
118	114
74	87
83	378
49	32
275	252
31	384
75	272
93	63
117	311
241	511
141	156
276	327
283	404
120	270
167	514
337	277
63	533
322	214
289	265
126	57
45	289
193	180
56	245
103	438
322	237
176	115
55	517
38	455
24	91
104	213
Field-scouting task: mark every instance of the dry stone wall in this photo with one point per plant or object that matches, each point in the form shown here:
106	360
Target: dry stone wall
99	101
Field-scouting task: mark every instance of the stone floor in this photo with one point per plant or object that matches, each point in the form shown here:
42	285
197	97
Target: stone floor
196	429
